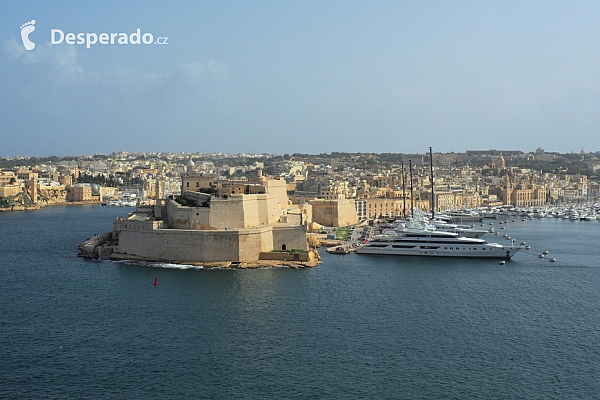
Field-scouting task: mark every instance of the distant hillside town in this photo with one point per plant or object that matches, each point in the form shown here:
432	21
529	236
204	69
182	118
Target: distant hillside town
338	188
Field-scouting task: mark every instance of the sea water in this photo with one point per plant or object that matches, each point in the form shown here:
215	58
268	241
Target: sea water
357	326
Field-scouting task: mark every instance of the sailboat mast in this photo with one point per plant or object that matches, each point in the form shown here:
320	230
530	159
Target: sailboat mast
432	190
411	189
403	193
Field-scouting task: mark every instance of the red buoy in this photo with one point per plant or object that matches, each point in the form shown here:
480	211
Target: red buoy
155	280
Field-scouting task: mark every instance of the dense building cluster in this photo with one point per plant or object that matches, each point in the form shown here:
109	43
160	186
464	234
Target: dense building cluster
340	188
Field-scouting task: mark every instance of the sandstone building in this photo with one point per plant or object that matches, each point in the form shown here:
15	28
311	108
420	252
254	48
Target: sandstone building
233	226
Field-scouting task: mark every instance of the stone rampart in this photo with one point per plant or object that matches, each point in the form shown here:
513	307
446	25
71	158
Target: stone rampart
289	237
177	245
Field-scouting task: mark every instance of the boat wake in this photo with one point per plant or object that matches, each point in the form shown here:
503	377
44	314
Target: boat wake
163	265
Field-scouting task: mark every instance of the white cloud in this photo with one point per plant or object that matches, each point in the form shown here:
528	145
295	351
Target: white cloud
13	49
195	71
218	69
192	72
62	67
63	60
131	79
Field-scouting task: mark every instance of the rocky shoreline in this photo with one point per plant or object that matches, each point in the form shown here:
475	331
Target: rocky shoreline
38	206
19	208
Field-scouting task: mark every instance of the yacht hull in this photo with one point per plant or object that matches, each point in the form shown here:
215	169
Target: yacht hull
484	251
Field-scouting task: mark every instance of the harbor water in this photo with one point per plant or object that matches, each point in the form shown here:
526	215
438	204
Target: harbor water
357	326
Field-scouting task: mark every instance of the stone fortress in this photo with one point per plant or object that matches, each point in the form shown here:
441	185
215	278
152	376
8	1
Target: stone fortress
212	222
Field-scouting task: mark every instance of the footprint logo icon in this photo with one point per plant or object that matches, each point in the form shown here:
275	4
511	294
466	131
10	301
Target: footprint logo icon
26	29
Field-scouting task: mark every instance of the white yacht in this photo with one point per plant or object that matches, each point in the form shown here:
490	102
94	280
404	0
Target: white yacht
590	217
420	220
404	241
463	216
461	230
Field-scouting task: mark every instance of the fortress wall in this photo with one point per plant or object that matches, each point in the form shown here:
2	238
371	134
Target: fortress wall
180	245
267	209
293	237
334	212
246	211
201	218
135	238
177	216
347	213
235	212
278	188
146	239
274	208
254	241
6	191
228	213
176	246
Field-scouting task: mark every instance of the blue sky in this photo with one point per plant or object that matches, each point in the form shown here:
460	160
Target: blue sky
310	77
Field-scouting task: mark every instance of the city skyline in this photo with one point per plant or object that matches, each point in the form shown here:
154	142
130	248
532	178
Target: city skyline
310	77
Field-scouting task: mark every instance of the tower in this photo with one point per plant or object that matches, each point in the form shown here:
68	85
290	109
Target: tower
31	189
190	166
502	162
157	193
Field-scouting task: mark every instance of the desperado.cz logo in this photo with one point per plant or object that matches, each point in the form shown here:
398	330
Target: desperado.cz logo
26	29
57	36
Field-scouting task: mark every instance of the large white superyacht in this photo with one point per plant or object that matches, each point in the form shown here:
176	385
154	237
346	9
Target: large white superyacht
411	241
420	219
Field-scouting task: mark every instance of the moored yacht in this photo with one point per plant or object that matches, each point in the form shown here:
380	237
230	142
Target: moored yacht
463	216
461	230
420	220
404	241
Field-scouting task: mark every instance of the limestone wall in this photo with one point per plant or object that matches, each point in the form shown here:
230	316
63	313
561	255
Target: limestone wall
52	194
268	209
193	245
180	217
234	212
277	187
289	237
6	191
229	213
334	212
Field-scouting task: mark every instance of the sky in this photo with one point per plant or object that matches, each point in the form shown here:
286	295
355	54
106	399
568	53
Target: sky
300	77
